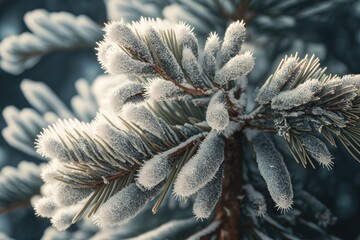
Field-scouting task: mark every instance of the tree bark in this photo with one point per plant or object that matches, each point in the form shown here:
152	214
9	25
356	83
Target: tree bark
228	210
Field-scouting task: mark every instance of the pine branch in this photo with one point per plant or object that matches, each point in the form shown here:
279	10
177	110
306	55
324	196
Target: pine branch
18	185
50	32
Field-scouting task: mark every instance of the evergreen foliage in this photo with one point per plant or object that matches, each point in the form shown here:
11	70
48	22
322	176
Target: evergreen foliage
176	141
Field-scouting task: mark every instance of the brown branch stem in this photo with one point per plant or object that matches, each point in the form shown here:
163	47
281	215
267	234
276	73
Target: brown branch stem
228	210
13	206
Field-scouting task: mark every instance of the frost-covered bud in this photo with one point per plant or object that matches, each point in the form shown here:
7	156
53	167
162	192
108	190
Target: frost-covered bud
202	167
65	195
165	56
256	201
302	94
159	89
117	97
274	171
238	66
217	115
154	171
119	33
118	62
63	217
208	196
314	208
142	116
212	47
45	207
185	37
317	150
123	205
272	87
233	39
192	68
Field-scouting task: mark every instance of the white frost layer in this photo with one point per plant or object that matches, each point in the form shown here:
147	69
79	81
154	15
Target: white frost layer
159	89
192	69
166	57
124	93
45	207
274	171
317	150
302	94
238	66
143	117
120	33
233	39
202	167
62	219
272	87
212	47
186	38
208	196
123	205
217	115
65	195
154	171
158	167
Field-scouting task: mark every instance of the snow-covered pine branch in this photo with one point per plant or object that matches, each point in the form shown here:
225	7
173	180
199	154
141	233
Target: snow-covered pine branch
46	107
49	32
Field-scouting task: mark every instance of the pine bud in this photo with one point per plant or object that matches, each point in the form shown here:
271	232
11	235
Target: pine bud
45	207
154	171
118	62
186	38
233	39
141	116
120	34
273	169
202	167
118	96
237	67
208	196
317	150
63	217
159	89
123	205
301	95
65	195
272	87
166	57
217	115
191	68
211	50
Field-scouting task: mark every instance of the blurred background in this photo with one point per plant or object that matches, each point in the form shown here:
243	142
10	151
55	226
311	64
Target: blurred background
330	29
